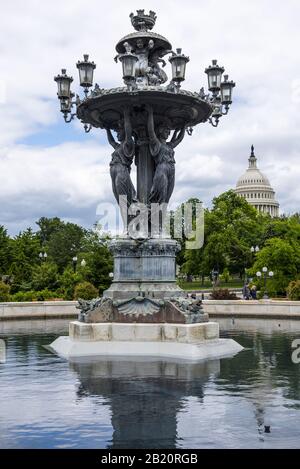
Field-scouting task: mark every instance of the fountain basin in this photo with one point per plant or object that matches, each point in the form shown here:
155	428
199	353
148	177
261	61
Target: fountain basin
183	341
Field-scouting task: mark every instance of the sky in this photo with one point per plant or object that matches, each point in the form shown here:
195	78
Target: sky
49	168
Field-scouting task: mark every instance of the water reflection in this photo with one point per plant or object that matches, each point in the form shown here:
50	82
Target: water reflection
2	351
51	403
144	396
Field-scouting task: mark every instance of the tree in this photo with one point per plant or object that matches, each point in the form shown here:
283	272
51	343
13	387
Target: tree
5	251
48	226
283	258
99	261
25	250
68	281
231	227
44	276
65	243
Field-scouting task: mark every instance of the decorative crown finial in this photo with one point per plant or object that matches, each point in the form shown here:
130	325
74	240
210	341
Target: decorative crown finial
141	21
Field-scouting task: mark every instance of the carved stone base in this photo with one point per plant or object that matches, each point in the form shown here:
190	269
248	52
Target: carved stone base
142	310
180	341
144	268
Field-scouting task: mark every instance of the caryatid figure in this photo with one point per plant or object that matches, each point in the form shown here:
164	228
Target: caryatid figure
163	155
120	165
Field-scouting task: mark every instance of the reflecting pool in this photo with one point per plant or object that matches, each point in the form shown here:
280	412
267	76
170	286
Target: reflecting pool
47	402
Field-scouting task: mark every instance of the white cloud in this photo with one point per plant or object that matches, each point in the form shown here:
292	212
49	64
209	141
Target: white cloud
254	41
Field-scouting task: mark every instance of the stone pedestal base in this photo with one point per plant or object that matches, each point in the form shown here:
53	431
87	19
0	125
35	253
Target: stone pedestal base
144	268
182	341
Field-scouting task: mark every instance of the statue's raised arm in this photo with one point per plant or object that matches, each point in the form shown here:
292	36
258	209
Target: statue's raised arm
111	139
154	143
178	136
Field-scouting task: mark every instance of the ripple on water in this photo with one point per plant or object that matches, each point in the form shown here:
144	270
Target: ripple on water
50	403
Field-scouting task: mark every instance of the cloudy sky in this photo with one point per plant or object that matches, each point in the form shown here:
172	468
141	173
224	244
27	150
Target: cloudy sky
48	168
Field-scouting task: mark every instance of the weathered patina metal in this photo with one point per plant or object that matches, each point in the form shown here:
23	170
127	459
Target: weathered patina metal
150	115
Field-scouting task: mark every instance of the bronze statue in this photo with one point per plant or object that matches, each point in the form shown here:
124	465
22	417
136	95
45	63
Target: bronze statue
163	155
121	162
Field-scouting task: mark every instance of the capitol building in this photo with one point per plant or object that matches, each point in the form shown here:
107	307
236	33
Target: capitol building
255	187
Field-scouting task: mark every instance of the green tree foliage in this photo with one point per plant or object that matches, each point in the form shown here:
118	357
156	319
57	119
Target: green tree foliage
293	290
48	226
283	258
232	227
65	243
25	250
4	292
99	261
45	276
68	281
5	251
86	291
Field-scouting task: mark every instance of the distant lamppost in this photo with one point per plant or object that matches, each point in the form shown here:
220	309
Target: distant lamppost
74	261
111	275
43	256
254	250
266	274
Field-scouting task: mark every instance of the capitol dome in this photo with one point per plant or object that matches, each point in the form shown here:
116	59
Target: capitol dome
255	187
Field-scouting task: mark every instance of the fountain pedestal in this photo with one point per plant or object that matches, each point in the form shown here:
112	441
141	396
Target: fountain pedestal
144	268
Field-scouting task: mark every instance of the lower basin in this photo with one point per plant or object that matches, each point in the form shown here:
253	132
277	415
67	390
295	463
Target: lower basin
48	402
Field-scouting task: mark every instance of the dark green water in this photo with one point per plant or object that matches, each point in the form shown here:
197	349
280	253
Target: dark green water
47	402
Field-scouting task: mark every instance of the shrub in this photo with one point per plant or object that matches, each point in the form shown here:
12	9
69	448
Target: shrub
223	294
86	291
293	290
44	276
23	296
225	275
68	281
45	295
42	295
4	292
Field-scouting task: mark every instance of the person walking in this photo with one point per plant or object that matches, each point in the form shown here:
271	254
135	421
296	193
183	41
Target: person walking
246	291
253	292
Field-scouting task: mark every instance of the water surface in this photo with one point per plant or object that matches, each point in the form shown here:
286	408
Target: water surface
47	402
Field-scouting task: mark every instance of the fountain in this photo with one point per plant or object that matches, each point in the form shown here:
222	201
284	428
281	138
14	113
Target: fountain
144	312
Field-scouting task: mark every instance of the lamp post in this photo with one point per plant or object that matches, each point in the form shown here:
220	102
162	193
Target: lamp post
74	261
254	250
43	256
265	274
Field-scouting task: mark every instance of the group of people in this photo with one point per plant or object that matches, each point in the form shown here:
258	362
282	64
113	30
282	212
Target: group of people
249	293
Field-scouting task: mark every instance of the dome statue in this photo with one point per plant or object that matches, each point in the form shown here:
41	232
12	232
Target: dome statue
255	187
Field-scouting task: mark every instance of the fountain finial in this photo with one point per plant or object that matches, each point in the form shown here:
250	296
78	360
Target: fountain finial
141	21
